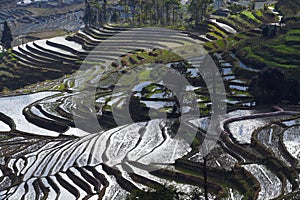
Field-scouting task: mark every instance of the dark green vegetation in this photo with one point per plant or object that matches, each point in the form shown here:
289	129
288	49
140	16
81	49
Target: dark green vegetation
95	17
136	12
199	10
276	45
272	86
288	8
6	38
246	23
279	52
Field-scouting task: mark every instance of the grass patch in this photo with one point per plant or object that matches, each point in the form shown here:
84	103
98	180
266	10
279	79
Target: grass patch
214	36
284	49
250	15
209	45
156	56
217	30
231	42
292	38
145	75
259	13
59	87
266	60
6	74
221	44
295	32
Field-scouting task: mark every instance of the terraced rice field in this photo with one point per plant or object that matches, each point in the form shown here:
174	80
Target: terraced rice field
120	124
40	163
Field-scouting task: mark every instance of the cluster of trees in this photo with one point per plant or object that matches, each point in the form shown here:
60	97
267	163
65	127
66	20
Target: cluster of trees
6	38
164	12
199	10
95	12
272	86
153	12
269	30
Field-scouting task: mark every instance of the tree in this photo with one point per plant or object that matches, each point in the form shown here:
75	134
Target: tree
195	10
272	86
87	14
171	5
95	14
292	91
168	4
132	5
104	12
268	86
115	17
147	11
175	7
269	30
6	36
155	12
199	10
126	8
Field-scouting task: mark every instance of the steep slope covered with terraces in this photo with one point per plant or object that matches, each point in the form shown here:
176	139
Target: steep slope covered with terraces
110	123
